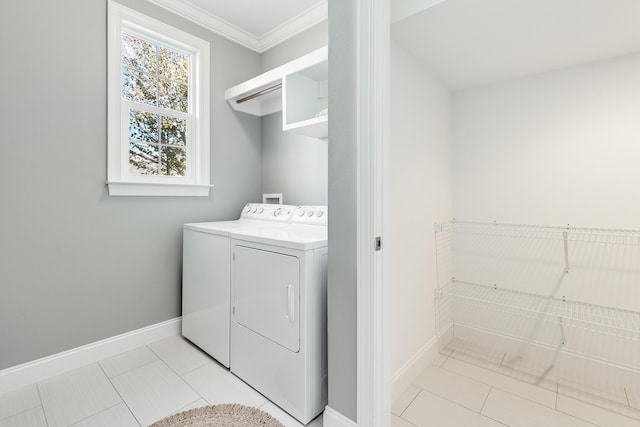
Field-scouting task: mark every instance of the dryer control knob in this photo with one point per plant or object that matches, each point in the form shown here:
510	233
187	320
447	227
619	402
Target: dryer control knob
247	209
277	212
319	214
301	212
255	210
310	213
260	210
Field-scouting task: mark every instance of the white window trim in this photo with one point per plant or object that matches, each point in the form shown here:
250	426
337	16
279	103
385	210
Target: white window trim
197	181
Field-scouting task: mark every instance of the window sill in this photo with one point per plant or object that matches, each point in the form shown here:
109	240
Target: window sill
121	188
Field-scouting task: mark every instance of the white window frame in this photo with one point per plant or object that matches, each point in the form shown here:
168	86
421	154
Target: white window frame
120	181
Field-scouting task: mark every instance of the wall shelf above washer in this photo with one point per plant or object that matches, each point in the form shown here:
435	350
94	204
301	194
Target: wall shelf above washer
298	88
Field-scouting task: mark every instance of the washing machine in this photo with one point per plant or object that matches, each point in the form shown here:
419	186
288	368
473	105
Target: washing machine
278	320
206	274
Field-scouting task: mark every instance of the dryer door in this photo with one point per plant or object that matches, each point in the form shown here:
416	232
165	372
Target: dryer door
266	289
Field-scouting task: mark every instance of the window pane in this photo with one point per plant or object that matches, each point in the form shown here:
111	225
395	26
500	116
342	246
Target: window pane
173	65
139	87
143	126
174	131
143	159
174	161
140	54
173	95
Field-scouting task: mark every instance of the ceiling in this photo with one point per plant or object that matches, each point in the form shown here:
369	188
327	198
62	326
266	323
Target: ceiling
256	24
469	43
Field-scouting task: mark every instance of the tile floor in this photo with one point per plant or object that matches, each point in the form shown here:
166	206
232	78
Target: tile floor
455	391
133	389
144	385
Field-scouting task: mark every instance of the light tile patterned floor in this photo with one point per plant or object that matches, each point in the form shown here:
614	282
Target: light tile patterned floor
133	389
457	393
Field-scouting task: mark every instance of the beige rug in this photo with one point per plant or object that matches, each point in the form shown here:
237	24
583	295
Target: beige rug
232	415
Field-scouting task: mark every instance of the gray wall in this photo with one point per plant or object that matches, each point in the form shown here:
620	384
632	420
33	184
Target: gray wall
342	302
293	165
301	44
77	265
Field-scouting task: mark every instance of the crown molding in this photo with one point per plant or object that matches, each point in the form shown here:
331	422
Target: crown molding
295	25
307	19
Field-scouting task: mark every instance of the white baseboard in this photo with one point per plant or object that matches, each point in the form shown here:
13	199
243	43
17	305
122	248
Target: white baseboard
405	376
32	372
333	418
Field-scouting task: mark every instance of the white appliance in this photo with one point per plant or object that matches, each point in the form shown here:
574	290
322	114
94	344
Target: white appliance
206	274
278	298
254	298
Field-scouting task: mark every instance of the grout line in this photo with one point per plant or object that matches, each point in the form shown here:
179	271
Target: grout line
485	400
412	400
97	413
468	409
121	398
475	379
502	389
449	400
198	367
582	419
176	372
408	422
577	394
129	370
183	380
181	376
22	412
557	393
504	355
445	359
494	420
27	409
46	420
102	410
567	414
627	396
600	408
189	404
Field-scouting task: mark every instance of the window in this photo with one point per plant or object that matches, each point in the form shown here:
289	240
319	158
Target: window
158	113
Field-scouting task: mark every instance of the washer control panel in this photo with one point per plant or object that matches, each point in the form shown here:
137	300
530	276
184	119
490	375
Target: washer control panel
268	212
310	215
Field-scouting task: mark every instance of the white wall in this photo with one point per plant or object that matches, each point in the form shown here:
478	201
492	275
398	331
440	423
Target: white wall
555	148
417	194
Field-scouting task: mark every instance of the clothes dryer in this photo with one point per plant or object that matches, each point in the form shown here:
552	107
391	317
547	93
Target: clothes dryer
206	274
278	321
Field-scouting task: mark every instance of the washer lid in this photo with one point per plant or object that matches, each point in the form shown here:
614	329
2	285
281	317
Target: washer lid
222	228
292	236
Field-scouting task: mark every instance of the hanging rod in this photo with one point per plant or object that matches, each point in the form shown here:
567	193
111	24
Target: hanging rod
259	93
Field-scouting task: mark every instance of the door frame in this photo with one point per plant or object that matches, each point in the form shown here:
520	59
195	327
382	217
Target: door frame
373	377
